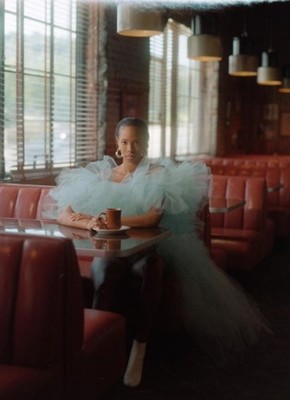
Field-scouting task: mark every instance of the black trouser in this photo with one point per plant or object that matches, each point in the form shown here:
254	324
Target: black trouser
113	278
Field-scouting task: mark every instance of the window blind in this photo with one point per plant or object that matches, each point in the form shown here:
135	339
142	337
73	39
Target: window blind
50	114
182	97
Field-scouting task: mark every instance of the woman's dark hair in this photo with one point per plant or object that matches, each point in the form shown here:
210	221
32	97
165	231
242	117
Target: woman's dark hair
130	121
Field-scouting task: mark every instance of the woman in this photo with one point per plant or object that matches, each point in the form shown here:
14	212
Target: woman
168	194
110	275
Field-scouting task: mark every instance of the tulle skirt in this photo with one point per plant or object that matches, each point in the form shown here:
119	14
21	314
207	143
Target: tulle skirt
214	305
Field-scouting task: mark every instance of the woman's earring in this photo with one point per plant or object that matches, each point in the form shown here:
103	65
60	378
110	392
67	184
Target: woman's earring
118	153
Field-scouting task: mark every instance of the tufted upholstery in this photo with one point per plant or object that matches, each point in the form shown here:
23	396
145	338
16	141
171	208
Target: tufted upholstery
246	234
22	201
250	161
278	200
30	201
49	345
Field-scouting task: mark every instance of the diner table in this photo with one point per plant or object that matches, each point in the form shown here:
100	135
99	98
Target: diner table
90	243
222	205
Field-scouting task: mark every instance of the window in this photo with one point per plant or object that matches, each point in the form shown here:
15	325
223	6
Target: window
48	100
182	98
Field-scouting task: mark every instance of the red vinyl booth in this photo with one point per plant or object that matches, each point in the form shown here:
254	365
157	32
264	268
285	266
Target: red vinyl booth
278	199
50	346
245	234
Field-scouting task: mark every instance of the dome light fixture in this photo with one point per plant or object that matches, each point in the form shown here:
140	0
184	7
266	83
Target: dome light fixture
202	46
136	21
243	61
285	88
268	72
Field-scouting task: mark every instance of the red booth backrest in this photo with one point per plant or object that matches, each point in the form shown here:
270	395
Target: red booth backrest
258	161
273	176
251	189
22	201
41	308
284	192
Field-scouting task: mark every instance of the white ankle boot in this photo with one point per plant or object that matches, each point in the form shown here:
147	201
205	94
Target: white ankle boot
134	369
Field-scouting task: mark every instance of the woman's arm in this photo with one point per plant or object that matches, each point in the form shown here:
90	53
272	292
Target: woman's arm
79	220
69	218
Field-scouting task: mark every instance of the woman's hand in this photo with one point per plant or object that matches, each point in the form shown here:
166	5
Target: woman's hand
70	218
75	216
96	222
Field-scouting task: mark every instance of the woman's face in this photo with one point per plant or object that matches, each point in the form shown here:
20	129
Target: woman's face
131	143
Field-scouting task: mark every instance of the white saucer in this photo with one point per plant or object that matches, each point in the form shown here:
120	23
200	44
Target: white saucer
105	232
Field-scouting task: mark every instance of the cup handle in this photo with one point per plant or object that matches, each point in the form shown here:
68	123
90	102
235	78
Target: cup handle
99	216
102	219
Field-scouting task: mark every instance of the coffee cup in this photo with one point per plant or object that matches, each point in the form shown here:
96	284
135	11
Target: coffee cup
111	218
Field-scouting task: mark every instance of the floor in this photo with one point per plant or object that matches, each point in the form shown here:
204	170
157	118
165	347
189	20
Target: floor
177	369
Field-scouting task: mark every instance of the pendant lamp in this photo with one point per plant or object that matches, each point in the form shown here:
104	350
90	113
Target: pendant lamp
268	72
243	61
203	46
285	88
136	21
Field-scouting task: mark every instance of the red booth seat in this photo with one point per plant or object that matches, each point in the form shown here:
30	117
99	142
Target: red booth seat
31	201
219	256
246	234
23	201
50	347
278	200
247	161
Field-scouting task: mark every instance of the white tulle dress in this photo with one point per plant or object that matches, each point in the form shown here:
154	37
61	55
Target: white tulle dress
215	307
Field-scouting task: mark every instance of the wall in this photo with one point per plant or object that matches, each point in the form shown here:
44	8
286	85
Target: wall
250	116
254	118
128	71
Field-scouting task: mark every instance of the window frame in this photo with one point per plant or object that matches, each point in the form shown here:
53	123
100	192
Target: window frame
169	124
88	117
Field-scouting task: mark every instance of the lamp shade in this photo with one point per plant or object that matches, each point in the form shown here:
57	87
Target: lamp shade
243	61
133	20
268	72
285	88
203	45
